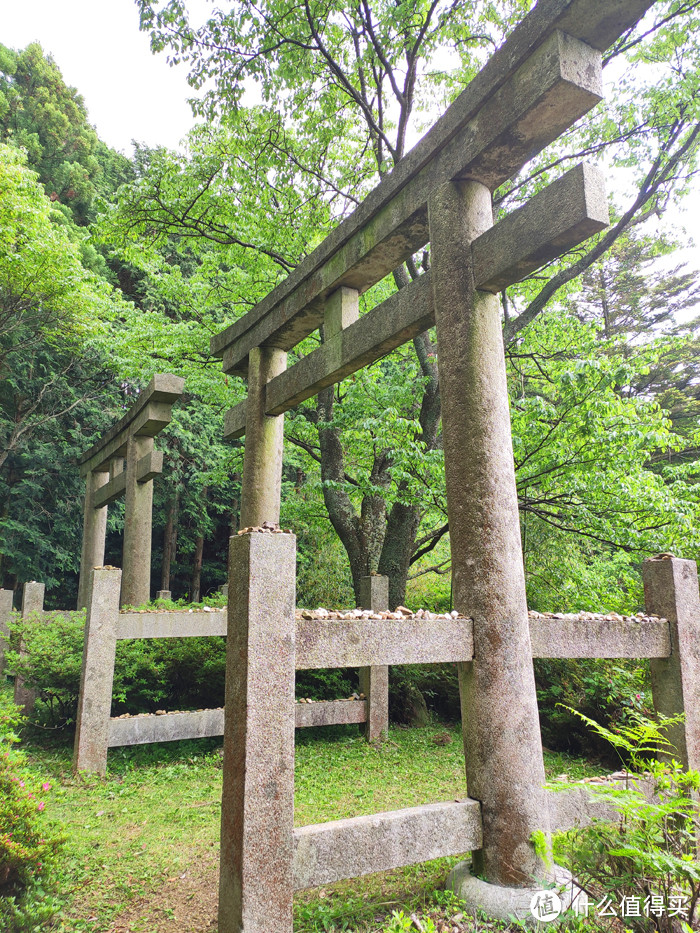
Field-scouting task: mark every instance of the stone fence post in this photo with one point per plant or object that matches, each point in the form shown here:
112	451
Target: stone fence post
374	681
671	592
257	816
5	613
32	604
99	649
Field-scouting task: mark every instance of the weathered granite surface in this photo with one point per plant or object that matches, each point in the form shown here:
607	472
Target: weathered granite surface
671	590
99	649
257	817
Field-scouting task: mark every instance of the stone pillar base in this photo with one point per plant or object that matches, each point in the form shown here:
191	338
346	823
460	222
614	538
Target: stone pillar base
499	902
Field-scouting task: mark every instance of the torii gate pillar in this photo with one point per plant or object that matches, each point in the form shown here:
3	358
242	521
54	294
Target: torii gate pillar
94	533
502	742
262	460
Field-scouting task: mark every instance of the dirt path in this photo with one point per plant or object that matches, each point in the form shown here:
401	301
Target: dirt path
184	904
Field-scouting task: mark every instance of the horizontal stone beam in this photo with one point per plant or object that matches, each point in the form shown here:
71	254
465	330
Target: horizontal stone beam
146	418
147	468
111	491
599	638
362	643
330	713
328	852
561	216
150	421
576	807
168	727
367	642
235	419
551	89
387	326
171	624
598	23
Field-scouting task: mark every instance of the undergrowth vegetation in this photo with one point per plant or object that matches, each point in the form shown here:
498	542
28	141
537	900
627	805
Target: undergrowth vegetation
143	842
141	851
644	864
28	846
168	673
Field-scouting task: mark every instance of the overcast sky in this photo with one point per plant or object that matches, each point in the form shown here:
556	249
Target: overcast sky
129	93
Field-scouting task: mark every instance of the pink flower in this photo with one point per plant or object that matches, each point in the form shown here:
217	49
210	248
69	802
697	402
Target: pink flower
41	805
46	786
21	783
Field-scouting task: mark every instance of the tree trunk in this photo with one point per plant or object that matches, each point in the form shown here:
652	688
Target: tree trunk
402	527
372	541
170	540
198	556
5	512
197	569
362	535
397	550
235	519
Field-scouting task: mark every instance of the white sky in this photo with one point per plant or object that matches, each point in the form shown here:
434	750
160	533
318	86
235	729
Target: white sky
129	92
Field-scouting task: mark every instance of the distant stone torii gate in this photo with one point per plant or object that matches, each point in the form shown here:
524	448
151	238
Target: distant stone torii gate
124	463
546	76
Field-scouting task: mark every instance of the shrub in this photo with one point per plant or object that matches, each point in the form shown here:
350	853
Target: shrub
23	848
149	674
647	857
430	591
326	684
27	847
609	692
417	690
51	658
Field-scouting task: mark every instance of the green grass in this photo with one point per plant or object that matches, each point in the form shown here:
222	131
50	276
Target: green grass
157	813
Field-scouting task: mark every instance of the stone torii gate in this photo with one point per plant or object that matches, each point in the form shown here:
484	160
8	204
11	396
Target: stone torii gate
546	76
123	463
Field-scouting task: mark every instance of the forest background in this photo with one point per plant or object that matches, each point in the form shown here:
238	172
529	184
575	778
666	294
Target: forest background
113	268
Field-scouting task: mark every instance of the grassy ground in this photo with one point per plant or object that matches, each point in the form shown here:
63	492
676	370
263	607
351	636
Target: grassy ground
142	844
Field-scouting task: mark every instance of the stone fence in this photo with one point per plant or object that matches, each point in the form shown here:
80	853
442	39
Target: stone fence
97	730
264	859
32	608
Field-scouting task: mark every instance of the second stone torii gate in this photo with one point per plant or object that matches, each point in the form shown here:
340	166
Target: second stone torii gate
124	463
